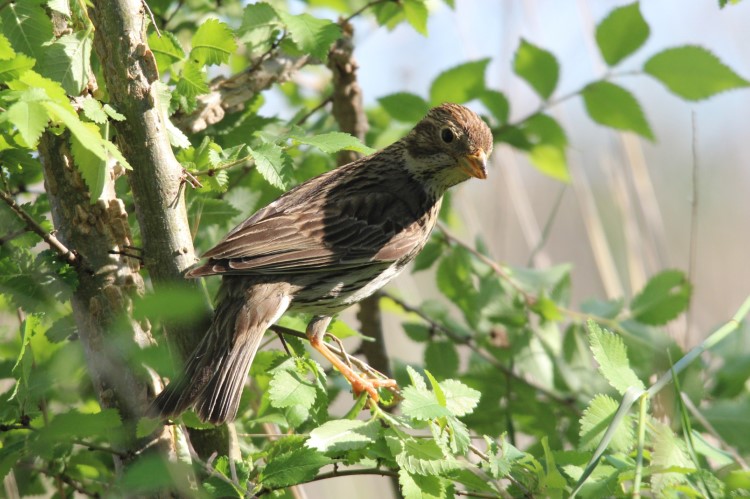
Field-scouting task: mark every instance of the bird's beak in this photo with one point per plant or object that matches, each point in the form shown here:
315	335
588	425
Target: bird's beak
474	164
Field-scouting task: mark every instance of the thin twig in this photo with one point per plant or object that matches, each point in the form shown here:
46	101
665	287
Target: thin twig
547	226
69	256
151	15
314	110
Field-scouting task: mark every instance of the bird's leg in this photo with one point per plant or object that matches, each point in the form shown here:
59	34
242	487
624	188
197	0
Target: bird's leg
316	330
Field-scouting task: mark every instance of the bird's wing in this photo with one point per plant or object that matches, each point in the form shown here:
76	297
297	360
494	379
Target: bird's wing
324	233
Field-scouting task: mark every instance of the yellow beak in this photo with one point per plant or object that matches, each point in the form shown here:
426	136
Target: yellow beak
474	164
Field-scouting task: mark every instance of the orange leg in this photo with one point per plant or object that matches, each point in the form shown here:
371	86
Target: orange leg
316	330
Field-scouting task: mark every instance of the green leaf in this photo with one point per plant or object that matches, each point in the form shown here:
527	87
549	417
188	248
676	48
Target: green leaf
288	388
612	356
416	14
15	67
6	50
273	164
441	358
549	143
621	33
93	110
68	61
192	81
311	34
429	254
213	43
459	84
693	72
421	456
668	453
27	27
405	106
421	404
259	26
497	104
343	435
163	95
613	106
333	142
595	420
665	296
291	468
414	486
75	424
416	332
30	118
92	167
94	142
538	67
460	400
166	48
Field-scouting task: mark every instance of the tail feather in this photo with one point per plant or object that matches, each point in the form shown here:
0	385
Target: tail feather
214	376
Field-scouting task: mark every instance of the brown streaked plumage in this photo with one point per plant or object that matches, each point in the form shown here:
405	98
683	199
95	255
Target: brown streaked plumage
321	247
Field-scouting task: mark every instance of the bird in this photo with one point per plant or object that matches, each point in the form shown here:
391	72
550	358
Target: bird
321	247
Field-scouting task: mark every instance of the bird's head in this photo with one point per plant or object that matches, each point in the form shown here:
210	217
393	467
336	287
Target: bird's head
451	144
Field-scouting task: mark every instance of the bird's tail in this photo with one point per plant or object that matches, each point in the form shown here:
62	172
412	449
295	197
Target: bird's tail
214	376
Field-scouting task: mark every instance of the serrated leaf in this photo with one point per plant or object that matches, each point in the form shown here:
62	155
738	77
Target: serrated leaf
6	50
212	211
460	400
93	110
693	72
613	106
414	486
423	457
416	14
213	43
30	118
27	27
343	435
333	142
112	113
421	404
668	453
405	106
291	468
596	419
146	426
621	33
192	80
610	352
68	61
665	296
14	68
92	167
538	67
259	24
459	84
441	358
311	34
166	48
273	164
289	388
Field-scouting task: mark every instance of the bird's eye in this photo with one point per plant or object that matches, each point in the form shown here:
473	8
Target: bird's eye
447	135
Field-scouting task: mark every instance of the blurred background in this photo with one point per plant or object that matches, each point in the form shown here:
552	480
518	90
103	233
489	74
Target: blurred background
630	210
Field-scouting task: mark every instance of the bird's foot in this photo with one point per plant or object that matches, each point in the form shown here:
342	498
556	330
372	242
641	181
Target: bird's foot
371	385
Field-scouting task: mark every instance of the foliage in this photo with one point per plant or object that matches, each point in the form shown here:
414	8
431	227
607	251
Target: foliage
456	425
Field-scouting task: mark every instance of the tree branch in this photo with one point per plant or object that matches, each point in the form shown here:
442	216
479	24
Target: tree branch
68	255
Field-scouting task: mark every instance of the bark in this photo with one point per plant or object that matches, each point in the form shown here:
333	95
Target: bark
129	69
107	283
